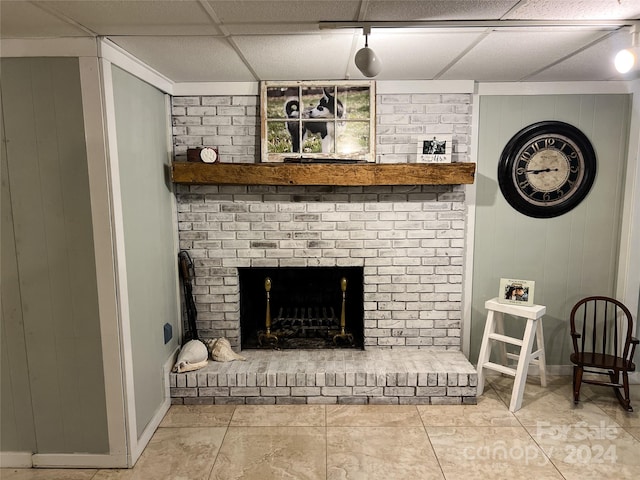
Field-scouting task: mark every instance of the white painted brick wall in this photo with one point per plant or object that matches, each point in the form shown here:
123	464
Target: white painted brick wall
410	240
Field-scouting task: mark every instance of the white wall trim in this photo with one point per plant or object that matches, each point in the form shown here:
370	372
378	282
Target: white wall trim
90	77
123	59
424	86
16	459
552	88
176	231
77	460
120	260
215	88
153	424
628	280
562	371
382	87
49	47
470	232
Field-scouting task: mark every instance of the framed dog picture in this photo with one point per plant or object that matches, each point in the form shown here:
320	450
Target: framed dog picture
516	292
317	121
435	149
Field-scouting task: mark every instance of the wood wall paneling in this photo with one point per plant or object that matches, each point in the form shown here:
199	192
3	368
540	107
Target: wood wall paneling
568	256
151	256
54	250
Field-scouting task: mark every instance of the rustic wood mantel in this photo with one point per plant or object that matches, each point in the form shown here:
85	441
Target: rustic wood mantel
360	174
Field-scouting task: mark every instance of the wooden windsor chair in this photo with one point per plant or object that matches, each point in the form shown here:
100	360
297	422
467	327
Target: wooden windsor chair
603	343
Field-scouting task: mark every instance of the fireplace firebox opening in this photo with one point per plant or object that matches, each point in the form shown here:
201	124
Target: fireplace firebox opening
301	307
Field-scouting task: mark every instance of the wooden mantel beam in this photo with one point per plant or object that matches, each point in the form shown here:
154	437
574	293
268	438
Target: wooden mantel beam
359	174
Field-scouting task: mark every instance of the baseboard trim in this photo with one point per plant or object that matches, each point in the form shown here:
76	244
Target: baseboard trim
78	460
16	460
565	370
153	424
149	430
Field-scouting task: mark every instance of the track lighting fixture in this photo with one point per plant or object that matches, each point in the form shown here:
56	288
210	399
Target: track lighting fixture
366	59
627	59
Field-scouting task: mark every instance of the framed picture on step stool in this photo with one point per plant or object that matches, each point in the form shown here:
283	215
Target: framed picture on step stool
516	292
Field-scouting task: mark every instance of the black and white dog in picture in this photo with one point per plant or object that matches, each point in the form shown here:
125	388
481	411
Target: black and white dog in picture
327	108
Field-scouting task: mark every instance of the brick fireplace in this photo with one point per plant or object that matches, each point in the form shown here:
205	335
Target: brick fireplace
408	241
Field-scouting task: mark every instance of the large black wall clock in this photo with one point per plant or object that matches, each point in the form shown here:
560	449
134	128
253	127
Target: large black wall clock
547	169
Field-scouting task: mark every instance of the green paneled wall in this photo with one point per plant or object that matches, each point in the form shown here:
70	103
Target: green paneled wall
570	256
52	377
149	232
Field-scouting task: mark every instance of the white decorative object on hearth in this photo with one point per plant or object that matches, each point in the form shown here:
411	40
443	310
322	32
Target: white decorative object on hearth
192	356
221	350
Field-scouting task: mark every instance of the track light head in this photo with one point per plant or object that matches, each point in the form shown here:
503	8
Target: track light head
366	59
627	59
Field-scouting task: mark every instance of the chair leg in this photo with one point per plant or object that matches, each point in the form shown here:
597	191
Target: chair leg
577	383
614	375
627	398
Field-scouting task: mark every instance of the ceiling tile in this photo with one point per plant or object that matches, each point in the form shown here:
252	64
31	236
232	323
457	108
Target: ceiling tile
416	56
594	63
400	10
508	55
23	19
138	17
287	11
576	9
189	59
297	57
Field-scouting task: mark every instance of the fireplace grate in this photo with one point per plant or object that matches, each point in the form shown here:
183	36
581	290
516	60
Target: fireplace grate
293	325
305	322
306	308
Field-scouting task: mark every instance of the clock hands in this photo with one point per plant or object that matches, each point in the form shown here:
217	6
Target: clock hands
535	172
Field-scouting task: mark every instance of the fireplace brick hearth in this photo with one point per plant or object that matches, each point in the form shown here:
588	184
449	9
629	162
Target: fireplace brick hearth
409	377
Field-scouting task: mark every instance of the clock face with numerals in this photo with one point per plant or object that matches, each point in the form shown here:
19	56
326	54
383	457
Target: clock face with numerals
547	169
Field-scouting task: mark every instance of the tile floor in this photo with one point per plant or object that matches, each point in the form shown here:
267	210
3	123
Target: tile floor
548	438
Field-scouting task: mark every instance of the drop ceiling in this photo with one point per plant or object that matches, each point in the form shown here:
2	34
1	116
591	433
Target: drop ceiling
245	41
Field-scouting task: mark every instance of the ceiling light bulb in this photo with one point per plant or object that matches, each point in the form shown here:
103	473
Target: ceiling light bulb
368	62
625	60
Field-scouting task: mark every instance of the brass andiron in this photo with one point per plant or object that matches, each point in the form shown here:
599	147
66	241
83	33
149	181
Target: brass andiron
267	322
343	335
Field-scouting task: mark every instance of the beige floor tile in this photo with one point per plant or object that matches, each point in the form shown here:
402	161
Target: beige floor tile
174	453
373	416
584	452
266	453
635	431
489	453
490	411
198	416
604	397
552	404
372	453
279	416
45	474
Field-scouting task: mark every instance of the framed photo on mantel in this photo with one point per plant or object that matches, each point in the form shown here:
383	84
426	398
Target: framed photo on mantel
516	292
318	121
435	148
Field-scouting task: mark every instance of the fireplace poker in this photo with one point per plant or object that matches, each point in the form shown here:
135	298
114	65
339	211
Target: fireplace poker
187	273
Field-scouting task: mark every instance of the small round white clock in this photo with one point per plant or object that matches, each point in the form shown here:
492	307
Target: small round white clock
208	155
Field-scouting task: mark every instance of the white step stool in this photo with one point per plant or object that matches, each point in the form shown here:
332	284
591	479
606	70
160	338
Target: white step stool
494	330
